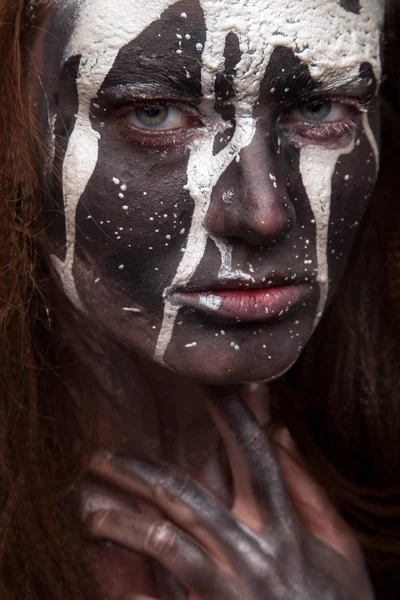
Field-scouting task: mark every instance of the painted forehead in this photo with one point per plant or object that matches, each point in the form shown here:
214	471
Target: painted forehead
333	40
332	37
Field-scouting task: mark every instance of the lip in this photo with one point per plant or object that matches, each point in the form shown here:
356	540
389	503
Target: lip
253	304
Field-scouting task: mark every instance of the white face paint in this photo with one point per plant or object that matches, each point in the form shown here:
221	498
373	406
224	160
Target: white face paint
210	301
226	271
317	168
103	29
326	37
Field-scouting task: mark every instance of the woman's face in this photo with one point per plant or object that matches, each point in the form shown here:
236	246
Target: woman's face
210	162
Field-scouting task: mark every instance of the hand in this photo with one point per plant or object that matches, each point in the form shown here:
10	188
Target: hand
280	541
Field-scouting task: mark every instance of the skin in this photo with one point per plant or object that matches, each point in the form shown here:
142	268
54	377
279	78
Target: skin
234	189
253	186
261	548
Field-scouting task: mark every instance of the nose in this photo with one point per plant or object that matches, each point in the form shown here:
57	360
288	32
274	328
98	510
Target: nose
250	201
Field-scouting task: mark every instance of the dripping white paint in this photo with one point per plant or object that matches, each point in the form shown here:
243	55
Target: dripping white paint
333	40
338	40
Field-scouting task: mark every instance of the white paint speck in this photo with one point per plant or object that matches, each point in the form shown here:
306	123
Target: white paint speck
210	301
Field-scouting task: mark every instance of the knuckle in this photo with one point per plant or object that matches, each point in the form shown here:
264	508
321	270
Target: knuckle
97	521
253	441
161	539
176	486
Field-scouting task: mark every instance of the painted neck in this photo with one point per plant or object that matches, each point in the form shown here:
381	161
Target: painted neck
140	408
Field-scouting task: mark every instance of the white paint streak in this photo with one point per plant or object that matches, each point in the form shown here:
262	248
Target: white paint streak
226	271
52	125
323	35
210	301
317	166
333	40
103	29
371	138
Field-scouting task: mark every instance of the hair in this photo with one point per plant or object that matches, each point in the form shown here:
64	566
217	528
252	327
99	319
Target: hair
341	401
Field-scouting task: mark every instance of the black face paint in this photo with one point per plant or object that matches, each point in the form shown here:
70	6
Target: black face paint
250	297
351	5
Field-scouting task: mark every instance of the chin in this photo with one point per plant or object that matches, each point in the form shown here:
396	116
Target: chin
211	368
250	352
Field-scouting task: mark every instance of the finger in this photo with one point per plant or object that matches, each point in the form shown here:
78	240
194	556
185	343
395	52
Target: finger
184	501
315	510
165	543
244	438
245	504
171	588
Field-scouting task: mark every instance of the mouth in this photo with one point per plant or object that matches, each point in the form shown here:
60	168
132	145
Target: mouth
251	304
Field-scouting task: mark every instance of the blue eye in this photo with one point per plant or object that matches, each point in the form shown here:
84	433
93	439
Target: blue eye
157	117
318	111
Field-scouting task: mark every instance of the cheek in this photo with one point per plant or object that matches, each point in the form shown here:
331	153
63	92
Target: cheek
133	219
352	187
342	186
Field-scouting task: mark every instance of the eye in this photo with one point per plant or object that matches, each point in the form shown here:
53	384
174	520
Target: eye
319	111
158	117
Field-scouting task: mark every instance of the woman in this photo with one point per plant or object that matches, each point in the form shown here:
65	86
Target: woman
186	180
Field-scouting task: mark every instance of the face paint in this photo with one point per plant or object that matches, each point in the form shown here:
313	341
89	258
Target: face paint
252	60
316	170
82	151
256	24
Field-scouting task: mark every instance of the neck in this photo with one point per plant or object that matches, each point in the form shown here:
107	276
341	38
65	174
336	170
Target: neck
140	408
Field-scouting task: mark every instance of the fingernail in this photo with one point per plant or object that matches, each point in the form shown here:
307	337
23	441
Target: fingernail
286	440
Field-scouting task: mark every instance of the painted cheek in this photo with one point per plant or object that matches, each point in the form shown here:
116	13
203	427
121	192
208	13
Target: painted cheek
94	174
82	153
337	184
353	184
132	224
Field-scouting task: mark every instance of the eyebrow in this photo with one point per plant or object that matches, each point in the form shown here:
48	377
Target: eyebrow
299	86
123	92
153	79
136	77
358	87
116	91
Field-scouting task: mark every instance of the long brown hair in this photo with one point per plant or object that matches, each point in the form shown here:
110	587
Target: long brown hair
341	401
